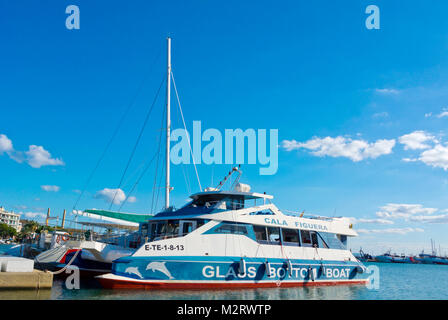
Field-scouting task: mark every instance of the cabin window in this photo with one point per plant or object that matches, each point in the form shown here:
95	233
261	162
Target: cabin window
171	228
343	239
273	235
305	237
219	202
314	239
262	212
321	241
260	234
187	227
332	240
233	228
290	237
166	229
144	230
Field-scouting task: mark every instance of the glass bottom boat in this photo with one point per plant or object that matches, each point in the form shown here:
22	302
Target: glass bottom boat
237	239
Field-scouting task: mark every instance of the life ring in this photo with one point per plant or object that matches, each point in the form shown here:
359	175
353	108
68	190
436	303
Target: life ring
58	239
65	238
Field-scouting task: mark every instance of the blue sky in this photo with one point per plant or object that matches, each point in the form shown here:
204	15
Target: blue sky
360	113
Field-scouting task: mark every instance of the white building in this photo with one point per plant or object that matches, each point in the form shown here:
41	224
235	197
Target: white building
12	219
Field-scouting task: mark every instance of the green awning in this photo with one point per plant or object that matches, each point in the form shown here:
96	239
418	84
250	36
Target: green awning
131	217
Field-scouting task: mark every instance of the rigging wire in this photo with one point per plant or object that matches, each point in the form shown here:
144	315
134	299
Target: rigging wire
137	182
157	163
144	171
188	138
136	143
186	177
160	186
120	123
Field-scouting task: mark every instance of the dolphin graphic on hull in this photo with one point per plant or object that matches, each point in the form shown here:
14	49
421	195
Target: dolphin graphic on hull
134	270
159	266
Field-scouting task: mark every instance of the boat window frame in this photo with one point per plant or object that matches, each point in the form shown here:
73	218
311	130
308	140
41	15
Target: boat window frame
289	243
182	223
261	241
215	230
302	242
272	242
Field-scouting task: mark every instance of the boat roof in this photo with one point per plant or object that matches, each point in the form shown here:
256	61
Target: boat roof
246	195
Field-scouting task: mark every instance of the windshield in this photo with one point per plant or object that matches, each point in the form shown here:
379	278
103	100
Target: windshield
224	202
165	229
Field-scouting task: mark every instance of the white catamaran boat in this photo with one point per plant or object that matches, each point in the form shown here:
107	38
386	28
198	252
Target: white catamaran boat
235	239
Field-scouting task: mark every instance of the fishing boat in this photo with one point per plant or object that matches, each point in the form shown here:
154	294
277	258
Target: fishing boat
432	258
364	257
394	258
235	238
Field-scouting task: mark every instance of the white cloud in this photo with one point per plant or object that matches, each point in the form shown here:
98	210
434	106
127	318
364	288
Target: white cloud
50	188
117	195
37	157
416	140
442	218
34	215
372	221
356	150
394	210
383	114
427	115
436	157
387	91
5	144
391	230
409	159
444	113
109	195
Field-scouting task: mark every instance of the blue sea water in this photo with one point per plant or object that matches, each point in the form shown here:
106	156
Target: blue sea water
396	282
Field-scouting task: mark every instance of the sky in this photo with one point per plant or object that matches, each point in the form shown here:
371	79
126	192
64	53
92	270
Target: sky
361	113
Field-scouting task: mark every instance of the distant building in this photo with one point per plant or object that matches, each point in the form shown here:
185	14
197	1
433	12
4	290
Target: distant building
12	219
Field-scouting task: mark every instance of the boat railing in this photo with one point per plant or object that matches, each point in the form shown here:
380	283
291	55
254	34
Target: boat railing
306	216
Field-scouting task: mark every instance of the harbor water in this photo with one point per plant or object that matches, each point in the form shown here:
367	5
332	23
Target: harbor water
396	282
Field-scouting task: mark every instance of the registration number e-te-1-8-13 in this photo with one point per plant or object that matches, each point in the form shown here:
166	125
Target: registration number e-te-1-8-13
159	247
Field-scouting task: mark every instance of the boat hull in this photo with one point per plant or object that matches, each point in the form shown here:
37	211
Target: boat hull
223	272
124	283
86	267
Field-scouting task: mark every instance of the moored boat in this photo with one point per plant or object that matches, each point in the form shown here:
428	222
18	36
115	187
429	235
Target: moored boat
218	241
235	239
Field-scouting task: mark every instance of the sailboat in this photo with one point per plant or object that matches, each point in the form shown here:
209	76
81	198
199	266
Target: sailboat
235	239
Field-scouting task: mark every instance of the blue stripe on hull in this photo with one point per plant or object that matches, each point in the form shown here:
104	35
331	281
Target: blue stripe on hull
228	269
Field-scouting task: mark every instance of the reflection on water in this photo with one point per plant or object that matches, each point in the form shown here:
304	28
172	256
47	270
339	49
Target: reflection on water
397	281
90	290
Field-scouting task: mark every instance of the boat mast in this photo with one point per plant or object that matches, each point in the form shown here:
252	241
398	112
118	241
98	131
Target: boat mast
168	126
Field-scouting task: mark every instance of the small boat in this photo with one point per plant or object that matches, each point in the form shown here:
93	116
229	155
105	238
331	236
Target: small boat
364	257
91	256
393	258
39	243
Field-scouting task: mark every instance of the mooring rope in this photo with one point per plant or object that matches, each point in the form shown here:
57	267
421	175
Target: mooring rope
68	264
